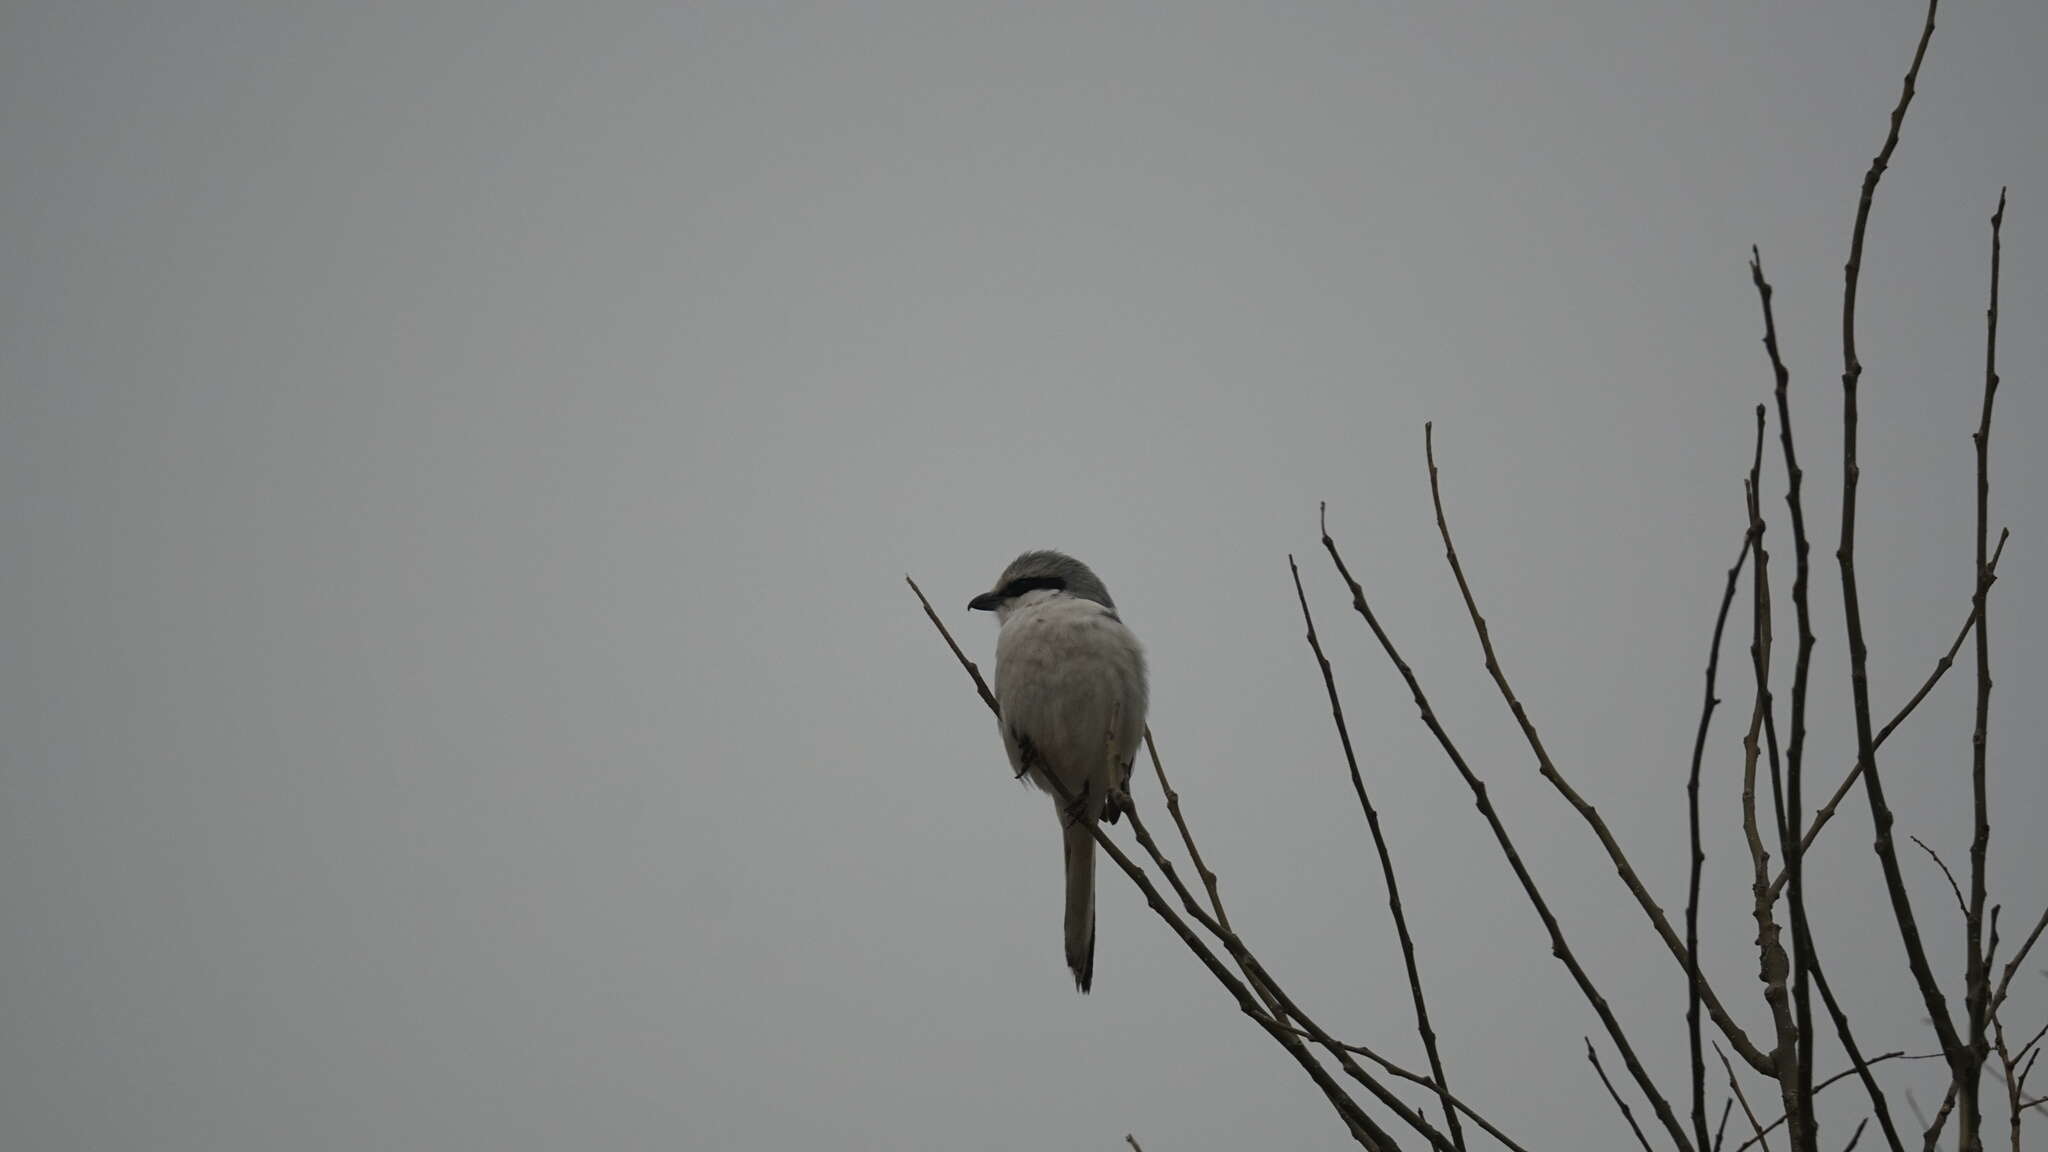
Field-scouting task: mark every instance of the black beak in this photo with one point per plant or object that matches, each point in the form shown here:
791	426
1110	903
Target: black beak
986	602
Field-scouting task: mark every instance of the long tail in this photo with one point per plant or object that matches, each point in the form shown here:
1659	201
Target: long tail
1080	846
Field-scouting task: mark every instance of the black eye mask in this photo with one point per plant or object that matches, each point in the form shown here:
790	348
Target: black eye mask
1023	584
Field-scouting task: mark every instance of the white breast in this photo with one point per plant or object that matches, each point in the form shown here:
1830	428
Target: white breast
1064	668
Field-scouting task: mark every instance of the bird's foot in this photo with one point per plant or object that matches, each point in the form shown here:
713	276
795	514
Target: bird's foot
1115	804
1077	809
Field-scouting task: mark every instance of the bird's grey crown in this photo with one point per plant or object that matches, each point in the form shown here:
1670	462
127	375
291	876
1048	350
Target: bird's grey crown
1080	580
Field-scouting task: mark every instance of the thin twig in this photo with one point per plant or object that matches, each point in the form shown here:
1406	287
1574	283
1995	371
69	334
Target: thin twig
2013	1082
1948	1103
1826	812
1839	1076
1852	603
1256	972
1257	977
1593	1058
2012	966
1774	968
1548	770
1795	752
1878	1103
1558	946
1721	1129
1977	970
1735	1086
1419	1079
1856	1135
1943	865
1379	843
1364	1128
1698	857
1202	870
2029	1045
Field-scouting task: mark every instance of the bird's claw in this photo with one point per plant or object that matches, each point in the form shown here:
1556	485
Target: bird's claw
1077	810
1115	804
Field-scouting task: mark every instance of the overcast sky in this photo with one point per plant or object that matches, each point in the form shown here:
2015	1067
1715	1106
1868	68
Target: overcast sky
459	461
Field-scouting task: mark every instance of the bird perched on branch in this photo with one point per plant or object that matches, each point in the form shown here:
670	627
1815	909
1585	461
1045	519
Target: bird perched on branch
1070	683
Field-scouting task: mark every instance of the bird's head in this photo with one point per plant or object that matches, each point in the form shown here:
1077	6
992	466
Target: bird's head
1036	576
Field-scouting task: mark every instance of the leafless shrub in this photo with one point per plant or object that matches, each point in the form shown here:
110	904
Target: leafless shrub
1790	974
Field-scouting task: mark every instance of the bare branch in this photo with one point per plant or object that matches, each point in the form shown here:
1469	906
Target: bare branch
2012	966
1793	817
1202	870
1593	1058
1773	967
980	685
1844	1074
2028	1047
1948	1103
1425	1082
1852	604
1548	770
2014	1082
1977	970
1379	843
1363	1127
1698	858
1256	972
1826	811
1736	1087
1558	946
1943	865
1879	1105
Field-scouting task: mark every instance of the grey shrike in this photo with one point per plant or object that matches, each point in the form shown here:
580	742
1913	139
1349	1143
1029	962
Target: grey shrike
1066	669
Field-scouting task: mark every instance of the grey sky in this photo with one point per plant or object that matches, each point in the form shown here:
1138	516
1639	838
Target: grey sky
458	463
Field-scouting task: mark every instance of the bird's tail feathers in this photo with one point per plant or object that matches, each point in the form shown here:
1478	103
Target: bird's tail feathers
1080	918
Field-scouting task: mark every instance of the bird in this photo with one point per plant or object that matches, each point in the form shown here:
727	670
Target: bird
1071	695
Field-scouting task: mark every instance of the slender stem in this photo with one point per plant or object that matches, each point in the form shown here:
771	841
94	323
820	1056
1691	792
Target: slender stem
1545	767
1950	876
2013	1111
1773	967
1878	1103
1559	947
1593	1058
1855	1070
1379	843
1735	1086
1826	812
1852	604
1417	1078
1948	1103
2012	966
1977	971
1795	750
1257	974
1698	857
1202	869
